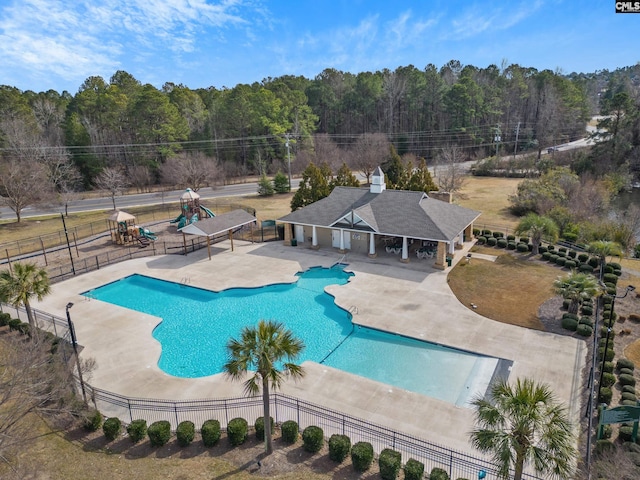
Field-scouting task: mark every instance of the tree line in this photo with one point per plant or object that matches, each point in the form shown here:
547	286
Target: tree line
55	144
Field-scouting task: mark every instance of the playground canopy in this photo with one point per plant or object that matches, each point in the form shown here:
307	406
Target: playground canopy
226	222
120	216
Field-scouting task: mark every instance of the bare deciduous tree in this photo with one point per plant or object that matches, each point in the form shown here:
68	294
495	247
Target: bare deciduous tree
327	151
140	177
369	152
23	183
193	170
113	180
448	172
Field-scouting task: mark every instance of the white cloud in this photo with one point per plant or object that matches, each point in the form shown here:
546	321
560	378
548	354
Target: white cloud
476	20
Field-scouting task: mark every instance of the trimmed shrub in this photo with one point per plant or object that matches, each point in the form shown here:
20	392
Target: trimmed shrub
586	309
608	379
487	233
542	249
628	389
629	396
210	432
565	303
607	431
492	241
583	257
413	470
605	395
313	439
498	234
438	474
605	447
259	426
290	431
481	240
607	301
522	247
545	256
524	240
562	254
586	320
625	371
389	462
339	447
625	433
570	264
584	330
502	243
159	433
561	261
476	232
630	403
610	278
572	316
185	433
551	247
511	238
562	250
593	262
615	265
14	324
92	420
585	268
608	367
137	430
624	363
569	324
511	245
572	253
237	431
4	319
610	354
362	456
626	380
111	428
553	258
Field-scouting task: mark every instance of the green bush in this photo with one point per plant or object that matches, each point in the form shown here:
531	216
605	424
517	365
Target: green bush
561	261
281	183
609	354
605	395
586	320
237	431
487	233
570	264
586	309
185	433
137	430
551	247
625	433
259	426
615	265
624	363
92	420
4	319
14	324
572	253
290	431
159	433
605	447
313	439
584	330
524	240
565	303
339	447
630	403
492	241
481	240
553	258
625	371
629	389
413	470
511	245
610	278
629	396
608	367
571	315
607	431
498	235
362	456
438	474
583	257
593	262
545	256
111	428
626	380
389	462
502	243
522	247
569	324
542	250
585	268
511	237
210	432
608	379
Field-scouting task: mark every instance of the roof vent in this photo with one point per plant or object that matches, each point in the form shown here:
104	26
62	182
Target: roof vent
377	181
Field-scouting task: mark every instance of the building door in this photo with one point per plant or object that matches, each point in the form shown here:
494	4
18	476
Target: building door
299	232
335	239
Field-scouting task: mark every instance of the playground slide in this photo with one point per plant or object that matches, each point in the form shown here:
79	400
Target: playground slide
177	219
147	234
207	211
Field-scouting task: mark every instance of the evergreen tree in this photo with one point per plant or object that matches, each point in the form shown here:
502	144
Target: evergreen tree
344	178
313	187
265	187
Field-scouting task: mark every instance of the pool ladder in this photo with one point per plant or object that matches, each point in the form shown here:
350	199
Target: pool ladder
185	280
353	310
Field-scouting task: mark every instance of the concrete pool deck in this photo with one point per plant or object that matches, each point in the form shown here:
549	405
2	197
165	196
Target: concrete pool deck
411	299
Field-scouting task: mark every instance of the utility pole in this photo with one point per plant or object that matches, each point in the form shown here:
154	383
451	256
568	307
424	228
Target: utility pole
497	138
515	147
287	136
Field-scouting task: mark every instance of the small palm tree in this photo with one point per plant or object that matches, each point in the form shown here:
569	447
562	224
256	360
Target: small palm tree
537	227
523	424
19	286
575	287
604	249
263	349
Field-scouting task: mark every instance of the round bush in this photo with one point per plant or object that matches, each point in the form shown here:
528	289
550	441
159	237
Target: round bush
545	256
615	265
553	258
522	247
603	333
92	420
389	462
313	439
524	240
572	253
511	237
605	395
605	447
339	447
290	431
498	234
185	433
583	257
570	264
608	379
608	367
413	470
561	261
630	403
586	320
565	303
626	380
562	254
586	309
112	428
438	474
569	324
551	247
607	431
572	316
542	249
487	233
511	245
628	389
502	243
210	432
259	427
584	330
159	433
481	240
624	363
625	433
492	241
610	278
593	262
237	431
609	354
625	371
362	456
629	396
137	430
585	268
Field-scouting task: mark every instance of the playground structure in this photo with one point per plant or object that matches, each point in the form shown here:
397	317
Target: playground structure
190	209
124	230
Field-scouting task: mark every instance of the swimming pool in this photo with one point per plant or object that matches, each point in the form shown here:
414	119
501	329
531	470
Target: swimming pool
196	325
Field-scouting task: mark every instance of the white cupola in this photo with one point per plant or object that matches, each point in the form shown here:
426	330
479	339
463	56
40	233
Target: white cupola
377	181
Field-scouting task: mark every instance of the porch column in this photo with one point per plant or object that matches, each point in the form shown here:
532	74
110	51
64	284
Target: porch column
451	248
460	242
287	234
372	245
441	256
342	250
405	250
314	238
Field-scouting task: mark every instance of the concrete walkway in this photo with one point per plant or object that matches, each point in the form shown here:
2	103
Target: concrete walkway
411	299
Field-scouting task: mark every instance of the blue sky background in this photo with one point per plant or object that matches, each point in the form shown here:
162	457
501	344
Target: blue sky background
57	44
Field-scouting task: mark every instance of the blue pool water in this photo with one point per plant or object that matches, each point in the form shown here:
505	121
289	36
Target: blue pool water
197	324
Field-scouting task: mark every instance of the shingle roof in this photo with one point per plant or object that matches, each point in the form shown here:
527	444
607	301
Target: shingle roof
391	212
210	227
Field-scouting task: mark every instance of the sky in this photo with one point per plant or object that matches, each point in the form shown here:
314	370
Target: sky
58	44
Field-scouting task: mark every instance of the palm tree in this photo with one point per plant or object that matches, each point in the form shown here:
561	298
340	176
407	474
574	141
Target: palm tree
537	227
263	349
604	249
19	286
576	286
524	425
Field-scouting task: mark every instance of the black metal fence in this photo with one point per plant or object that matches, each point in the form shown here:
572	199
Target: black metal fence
283	408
